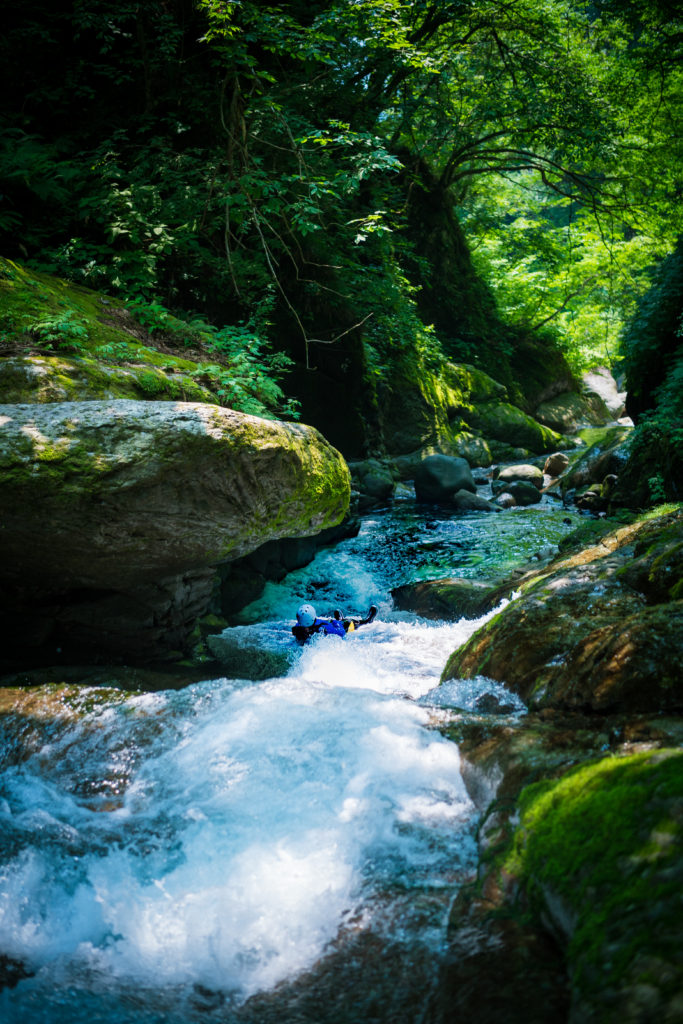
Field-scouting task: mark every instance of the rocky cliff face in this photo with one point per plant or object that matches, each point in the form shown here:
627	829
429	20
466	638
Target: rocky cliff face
577	911
115	515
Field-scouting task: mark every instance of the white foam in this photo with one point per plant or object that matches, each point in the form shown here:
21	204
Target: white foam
248	830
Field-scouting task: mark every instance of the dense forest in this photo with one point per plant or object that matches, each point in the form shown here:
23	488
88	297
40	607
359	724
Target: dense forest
321	192
341	470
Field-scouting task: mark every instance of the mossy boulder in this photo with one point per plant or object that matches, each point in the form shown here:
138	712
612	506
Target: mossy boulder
439	477
114	514
606	455
598	858
595	630
32	378
459	410
568	412
448	599
503	422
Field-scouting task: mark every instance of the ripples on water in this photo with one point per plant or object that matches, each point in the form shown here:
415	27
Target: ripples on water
168	856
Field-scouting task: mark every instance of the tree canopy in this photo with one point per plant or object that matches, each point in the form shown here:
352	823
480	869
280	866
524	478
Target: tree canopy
274	164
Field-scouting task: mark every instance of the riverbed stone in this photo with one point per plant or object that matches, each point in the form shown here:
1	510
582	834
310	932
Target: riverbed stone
116	513
448	599
465	501
556	464
523	492
439	477
524	471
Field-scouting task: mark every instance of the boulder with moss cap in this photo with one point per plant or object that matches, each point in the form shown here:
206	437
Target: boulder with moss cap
115	514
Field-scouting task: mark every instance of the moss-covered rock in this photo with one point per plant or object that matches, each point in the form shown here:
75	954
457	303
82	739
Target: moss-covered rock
598	856
503	422
568	412
606	455
520	916
32	378
115	513
449	599
459	410
596	630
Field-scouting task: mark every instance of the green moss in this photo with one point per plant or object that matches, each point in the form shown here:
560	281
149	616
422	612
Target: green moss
605	840
109	354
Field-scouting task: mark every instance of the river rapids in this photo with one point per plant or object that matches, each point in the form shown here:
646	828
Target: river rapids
236	851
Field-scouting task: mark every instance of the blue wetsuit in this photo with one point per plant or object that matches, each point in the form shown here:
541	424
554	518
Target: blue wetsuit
331	627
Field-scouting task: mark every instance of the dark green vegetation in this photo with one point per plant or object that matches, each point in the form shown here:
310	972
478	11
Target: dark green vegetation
361	188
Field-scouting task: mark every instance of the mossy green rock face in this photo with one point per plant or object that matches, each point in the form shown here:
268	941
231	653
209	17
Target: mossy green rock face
566	413
595	631
28	379
607	455
125	497
599	855
500	421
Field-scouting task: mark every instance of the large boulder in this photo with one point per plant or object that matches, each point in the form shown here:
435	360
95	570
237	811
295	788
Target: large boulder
503	422
599	631
448	599
568	412
439	477
608	455
254	652
599	384
115	514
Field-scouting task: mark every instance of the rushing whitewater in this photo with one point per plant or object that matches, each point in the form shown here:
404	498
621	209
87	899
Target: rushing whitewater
165	857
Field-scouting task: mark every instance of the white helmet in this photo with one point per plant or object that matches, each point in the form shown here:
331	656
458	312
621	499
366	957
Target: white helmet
306	615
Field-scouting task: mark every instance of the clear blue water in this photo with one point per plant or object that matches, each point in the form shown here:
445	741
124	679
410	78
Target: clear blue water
176	856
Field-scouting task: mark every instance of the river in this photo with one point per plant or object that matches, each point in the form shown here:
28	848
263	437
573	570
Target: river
284	851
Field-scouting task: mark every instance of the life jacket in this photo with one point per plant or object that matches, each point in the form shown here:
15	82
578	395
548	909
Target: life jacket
330	627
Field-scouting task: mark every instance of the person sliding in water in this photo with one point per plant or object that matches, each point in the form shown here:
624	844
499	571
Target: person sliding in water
308	623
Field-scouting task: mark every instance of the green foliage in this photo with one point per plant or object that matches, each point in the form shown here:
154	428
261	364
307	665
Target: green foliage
63	330
195	157
555	267
653	361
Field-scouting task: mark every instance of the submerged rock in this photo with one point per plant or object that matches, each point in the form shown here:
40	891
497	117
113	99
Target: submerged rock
252	652
115	514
